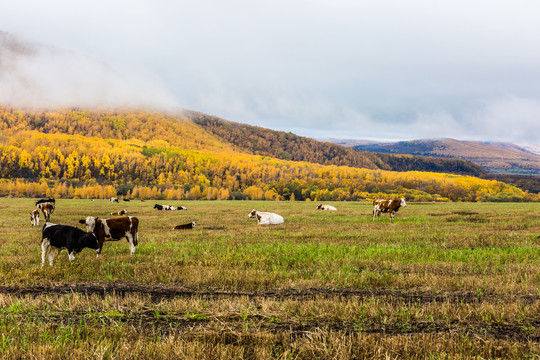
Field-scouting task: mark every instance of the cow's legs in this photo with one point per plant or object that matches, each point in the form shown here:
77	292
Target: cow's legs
392	215
45	243
100	246
129	237
71	255
52	254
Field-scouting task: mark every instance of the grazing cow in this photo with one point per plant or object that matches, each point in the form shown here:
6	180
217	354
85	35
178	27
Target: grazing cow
164	207
57	237
47	209
387	206
113	199
34	217
190	225
46	206
113	230
326	207
266	218
121	212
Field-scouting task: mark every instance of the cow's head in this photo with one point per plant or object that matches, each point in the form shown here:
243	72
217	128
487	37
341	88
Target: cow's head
402	203
193	224
156	206
252	214
182	208
319	207
87	241
90	223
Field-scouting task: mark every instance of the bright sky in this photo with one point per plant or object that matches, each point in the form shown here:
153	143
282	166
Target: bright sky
386	69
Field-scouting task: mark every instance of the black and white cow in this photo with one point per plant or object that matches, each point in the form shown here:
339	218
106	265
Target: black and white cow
45	201
387	206
168	207
113	230
57	237
113	199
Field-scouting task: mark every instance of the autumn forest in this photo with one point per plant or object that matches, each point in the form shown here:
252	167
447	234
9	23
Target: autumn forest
149	155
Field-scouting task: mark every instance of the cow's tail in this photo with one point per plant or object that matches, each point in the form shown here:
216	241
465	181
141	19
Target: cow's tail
135	231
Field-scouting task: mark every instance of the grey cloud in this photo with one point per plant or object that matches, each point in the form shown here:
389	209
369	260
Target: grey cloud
396	69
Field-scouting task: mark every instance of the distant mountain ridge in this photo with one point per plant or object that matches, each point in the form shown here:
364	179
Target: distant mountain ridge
494	157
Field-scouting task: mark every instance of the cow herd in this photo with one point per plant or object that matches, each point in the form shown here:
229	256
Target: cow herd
57	237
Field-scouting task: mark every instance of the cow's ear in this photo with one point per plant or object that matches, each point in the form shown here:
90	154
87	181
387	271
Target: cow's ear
82	221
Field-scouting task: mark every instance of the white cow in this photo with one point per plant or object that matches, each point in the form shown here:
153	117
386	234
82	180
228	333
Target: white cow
266	218
326	207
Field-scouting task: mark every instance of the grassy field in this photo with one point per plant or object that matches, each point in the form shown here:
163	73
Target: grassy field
457	280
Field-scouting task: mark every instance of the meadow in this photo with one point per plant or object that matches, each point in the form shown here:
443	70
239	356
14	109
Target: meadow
444	280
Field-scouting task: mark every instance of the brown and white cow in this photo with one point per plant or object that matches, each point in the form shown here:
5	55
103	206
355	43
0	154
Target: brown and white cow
46	206
47	209
34	217
190	225
266	218
113	230
121	212
387	206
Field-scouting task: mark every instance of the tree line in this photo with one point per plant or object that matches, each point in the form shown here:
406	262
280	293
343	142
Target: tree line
134	167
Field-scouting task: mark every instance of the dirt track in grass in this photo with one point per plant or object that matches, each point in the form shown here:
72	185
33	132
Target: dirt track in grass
170	324
161	292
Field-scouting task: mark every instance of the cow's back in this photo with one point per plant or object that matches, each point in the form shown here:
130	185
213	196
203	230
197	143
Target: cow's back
270	219
60	235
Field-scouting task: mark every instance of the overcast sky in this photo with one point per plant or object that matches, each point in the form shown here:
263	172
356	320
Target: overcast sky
386	69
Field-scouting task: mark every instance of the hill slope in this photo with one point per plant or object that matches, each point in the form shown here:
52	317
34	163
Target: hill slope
494	157
288	146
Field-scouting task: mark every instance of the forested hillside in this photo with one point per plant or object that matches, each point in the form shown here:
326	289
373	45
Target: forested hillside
284	145
89	154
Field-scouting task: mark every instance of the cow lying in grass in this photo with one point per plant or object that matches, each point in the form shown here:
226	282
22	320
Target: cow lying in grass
266	218
168	207
326	207
190	225
57	237
387	206
121	212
